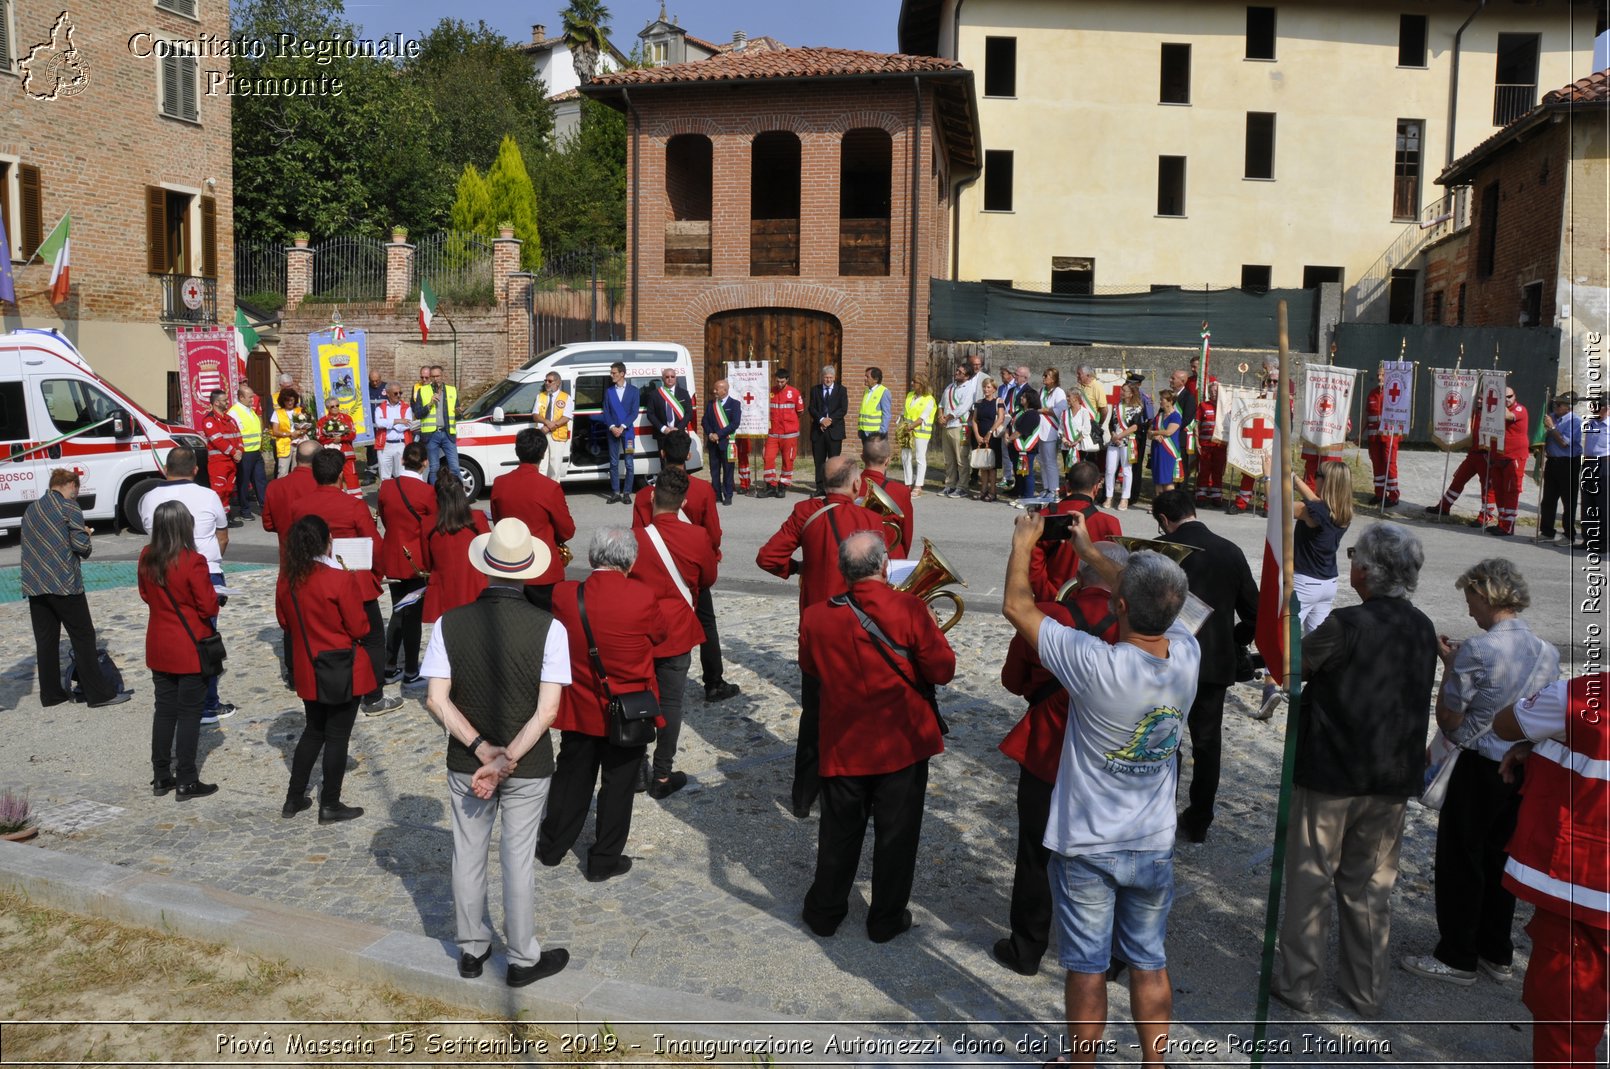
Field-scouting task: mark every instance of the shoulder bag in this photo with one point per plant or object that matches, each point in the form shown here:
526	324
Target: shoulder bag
209	650
1443	754
631	716
332	669
884	644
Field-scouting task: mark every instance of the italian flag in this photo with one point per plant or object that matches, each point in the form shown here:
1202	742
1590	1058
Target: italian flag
245	337
54	251
1272	606
427	309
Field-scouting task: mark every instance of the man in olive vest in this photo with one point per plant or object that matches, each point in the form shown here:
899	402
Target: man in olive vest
436	406
490	664
877	407
250	475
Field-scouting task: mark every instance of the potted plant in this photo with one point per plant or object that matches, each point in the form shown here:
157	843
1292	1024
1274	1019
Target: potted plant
300	239
399	234
16	817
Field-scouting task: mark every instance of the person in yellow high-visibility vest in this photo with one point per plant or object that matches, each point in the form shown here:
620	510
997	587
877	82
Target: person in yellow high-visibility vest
436	405
250	474
877	407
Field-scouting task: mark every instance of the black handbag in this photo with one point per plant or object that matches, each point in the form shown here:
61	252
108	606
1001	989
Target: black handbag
209	650
332	669
631	716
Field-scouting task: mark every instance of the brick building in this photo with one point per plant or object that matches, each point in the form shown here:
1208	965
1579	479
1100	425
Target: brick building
98	124
1534	250
791	205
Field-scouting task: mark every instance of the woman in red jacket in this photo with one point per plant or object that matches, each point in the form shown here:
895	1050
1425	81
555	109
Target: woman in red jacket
447	552
407	512
174	583
321	608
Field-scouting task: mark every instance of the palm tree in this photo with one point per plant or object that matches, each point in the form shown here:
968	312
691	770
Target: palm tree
585	24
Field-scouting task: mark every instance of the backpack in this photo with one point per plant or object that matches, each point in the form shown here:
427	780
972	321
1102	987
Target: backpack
109	672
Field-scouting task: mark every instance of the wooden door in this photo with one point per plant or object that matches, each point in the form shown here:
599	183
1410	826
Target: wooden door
800	340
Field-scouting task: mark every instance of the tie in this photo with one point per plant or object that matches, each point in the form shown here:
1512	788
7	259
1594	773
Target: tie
550	408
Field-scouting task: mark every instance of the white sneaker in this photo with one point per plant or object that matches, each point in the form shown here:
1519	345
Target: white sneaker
1429	967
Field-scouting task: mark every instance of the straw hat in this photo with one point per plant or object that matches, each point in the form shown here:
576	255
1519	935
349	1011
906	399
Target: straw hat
509	552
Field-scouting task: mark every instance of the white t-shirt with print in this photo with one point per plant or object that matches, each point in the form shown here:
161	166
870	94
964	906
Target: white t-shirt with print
1126	712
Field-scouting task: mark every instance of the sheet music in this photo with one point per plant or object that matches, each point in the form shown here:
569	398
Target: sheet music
358	554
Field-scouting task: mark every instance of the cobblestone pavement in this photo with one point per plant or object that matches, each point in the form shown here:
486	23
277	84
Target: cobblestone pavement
712	905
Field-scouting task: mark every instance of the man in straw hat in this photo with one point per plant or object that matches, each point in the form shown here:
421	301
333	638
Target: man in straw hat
490	664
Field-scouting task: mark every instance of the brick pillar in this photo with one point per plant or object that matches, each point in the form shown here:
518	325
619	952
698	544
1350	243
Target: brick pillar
505	262
298	274
399	267
516	322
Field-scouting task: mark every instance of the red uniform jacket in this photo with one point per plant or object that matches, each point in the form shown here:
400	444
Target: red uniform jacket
1036	741
901	493
626	620
526	494
283	494
699	509
223	436
348	517
819	571
403	531
787	405
331	601
1517	436
872	720
696	562
1049	570
453	582
1372	417
167	647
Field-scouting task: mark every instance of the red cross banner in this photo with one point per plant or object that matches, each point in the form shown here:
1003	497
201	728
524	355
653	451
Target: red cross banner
1397	396
1110	381
1327	401
1225	405
1250	433
750	382
1453	391
1490	419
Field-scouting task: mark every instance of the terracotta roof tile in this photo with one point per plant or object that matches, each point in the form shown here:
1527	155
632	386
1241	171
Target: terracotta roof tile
751	65
1594	89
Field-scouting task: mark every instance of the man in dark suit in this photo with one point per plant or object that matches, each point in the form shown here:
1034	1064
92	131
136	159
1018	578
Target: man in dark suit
620	416
670	408
721	417
1218	574
827	406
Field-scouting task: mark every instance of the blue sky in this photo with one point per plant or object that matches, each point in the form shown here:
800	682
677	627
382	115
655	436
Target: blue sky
868	24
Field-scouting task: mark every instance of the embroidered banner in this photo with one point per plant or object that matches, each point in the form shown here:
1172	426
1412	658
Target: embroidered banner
206	363
340	372
750	382
1250	435
1454	391
1327	400
1491	425
1397	396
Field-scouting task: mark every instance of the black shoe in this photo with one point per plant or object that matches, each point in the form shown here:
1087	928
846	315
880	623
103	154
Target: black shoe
116	699
334	814
233	523
1006	954
393	674
469	966
664	788
551	961
198	789
162	785
823	931
900	929
621	868
720	692
294	806
645	776
611	499
1193	830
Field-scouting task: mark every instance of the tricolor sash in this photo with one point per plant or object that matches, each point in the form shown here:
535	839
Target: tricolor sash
675	405
723	428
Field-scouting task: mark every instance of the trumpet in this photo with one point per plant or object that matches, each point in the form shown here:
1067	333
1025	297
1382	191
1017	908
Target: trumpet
927	579
878	500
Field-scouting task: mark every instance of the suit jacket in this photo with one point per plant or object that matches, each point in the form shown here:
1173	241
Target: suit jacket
835	407
695	562
524	493
734	410
168	647
1050	569
699	509
453	582
660	413
622	412
331	603
403	531
1218	574
819	572
900	493
627	623
348	517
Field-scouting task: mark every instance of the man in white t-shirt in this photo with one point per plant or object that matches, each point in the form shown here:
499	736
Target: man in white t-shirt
1112	821
211	535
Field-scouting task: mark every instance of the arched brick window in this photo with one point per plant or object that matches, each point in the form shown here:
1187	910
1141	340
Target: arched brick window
688	179
865	156
774	173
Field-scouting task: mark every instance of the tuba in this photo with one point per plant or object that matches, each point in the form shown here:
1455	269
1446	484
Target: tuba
565	556
1172	550
878	500
929	576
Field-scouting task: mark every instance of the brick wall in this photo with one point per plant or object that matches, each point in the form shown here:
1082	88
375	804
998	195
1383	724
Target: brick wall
394	346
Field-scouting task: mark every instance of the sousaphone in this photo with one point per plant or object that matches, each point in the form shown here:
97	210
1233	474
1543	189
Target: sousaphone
930	575
878	500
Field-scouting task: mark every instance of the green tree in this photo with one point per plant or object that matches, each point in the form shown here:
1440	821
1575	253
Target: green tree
482	90
581	185
585	25
514	200
472	204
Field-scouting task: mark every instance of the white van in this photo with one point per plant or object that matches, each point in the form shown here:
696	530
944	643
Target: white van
487	429
55	412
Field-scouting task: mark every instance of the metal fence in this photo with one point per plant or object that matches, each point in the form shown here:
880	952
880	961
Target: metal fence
260	274
458	267
349	269
580	296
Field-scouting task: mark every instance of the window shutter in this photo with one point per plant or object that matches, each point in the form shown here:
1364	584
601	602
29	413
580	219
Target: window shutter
186	8
170	86
33	210
209	237
189	81
5	35
156	230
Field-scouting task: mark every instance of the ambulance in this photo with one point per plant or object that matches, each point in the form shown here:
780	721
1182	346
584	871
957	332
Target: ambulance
56	412
487	428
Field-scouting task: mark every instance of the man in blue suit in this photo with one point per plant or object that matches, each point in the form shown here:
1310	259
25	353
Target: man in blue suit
620	413
721	417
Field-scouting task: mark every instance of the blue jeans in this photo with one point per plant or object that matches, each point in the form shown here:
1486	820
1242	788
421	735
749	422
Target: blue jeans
440	445
1112	905
620	448
1049	473
212	702
250	477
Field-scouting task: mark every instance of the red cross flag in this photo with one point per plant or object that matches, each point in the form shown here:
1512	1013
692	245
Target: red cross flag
1455	392
1490	420
1249	433
1328	398
750	382
1397	396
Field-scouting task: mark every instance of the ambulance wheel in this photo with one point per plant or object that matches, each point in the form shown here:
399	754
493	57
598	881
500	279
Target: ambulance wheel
474	481
133	493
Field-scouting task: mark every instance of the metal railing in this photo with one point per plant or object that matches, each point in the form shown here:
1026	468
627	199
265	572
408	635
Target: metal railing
1510	102
188	298
458	267
580	296
349	269
260	274
1447	215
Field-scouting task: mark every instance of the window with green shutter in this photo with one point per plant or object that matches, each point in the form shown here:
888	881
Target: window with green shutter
7	63
187	8
180	85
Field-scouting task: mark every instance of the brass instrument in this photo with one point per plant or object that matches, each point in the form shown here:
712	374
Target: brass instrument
1172	550
419	573
565	555
878	500
929	576
905	432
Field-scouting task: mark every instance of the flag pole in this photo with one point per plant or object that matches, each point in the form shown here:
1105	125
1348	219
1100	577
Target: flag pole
1487	484
1447	454
1291	658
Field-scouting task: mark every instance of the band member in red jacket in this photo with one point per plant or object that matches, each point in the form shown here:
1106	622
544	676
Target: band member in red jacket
1054	563
880	725
447	546
283	493
524	493
408	512
627	626
1036	745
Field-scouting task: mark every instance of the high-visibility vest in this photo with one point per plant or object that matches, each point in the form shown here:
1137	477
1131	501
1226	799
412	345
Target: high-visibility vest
872	410
427	397
921	410
251	427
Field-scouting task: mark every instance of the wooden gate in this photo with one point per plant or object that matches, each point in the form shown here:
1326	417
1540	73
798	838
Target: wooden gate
800	340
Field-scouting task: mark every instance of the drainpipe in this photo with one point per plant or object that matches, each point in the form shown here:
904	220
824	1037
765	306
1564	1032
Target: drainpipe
914	245
637	179
1453	79
956	189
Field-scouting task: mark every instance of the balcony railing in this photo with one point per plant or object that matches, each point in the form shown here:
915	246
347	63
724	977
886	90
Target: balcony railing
1510	102
188	298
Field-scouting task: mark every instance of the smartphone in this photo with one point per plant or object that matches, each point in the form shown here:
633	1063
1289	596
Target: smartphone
1058	527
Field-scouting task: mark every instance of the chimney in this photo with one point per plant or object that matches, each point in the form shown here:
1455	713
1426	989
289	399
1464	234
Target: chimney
538	33
739	40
